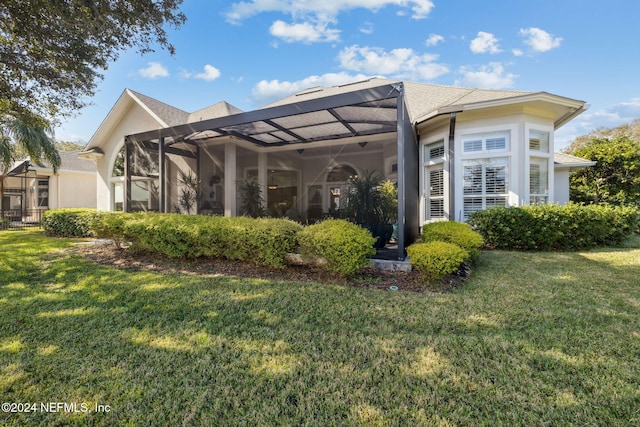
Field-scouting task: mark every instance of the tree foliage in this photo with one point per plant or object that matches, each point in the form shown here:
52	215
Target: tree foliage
52	51
616	176
33	138
630	130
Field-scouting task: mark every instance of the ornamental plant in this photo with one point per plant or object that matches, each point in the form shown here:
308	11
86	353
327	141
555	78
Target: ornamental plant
346	246
436	259
458	233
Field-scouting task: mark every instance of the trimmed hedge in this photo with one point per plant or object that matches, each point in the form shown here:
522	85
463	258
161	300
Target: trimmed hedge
436	259
69	222
264	241
553	227
344	245
457	233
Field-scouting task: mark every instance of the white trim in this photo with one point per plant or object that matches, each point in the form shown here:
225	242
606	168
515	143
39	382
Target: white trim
424	164
528	153
513	129
146	108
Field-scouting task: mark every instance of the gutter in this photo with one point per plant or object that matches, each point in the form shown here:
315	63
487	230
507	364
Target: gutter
570	116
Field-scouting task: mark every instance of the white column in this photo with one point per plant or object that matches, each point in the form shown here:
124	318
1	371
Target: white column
230	179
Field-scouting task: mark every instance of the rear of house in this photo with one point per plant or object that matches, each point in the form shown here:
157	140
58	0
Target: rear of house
450	151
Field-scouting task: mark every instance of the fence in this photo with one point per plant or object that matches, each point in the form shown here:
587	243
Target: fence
16	219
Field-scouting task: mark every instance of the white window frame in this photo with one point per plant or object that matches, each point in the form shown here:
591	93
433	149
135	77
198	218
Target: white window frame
429	165
511	131
483	138
538	155
484	196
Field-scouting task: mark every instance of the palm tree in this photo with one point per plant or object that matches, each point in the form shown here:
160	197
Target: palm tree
29	134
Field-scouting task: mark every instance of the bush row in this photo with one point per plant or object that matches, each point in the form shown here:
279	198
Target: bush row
265	241
553	227
69	222
443	247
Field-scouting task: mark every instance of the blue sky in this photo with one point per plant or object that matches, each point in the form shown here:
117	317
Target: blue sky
251	52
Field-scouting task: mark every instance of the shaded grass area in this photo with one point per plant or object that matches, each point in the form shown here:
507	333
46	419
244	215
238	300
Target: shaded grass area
531	339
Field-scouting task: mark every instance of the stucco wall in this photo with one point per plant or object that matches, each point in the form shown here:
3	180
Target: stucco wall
561	186
72	190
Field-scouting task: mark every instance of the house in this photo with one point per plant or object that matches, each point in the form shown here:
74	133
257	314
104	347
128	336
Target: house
450	150
30	189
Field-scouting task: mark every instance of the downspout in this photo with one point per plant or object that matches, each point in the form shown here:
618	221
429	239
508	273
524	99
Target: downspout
451	160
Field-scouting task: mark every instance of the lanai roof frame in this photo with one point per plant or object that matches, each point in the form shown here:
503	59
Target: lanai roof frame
371	111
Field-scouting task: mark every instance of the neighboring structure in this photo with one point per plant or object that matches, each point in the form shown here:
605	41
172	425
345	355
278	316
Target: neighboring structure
30	189
451	150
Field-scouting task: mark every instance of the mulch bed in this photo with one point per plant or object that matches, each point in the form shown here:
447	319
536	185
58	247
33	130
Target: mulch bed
366	277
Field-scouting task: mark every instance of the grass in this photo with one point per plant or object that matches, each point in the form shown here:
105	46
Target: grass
531	339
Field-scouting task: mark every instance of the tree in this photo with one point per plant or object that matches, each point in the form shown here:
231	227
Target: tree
616	176
52	51
631	130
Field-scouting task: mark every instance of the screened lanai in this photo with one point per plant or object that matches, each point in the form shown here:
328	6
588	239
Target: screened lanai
301	152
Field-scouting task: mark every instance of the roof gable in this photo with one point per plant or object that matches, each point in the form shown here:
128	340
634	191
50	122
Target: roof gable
167	114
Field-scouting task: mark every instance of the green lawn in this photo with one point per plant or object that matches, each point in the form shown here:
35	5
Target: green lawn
532	339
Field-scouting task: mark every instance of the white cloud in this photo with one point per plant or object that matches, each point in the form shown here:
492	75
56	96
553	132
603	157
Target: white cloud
153	71
210	73
485	43
539	40
321	10
434	39
367	28
491	76
269	90
399	63
517	52
628	110
305	32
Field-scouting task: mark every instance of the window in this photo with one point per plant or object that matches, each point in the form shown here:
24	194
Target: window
43	192
434	152
539	141
434	156
538	181
478	143
485	184
435	193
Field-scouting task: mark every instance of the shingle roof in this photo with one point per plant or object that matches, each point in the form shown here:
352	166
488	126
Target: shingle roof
567	160
220	109
169	114
420	98
69	161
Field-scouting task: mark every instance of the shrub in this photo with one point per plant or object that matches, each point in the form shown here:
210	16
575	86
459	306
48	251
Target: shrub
344	245
453	232
69	222
110	225
4	223
264	241
553	227
435	260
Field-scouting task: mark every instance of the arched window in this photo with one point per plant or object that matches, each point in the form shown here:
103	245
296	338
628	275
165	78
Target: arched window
341	173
